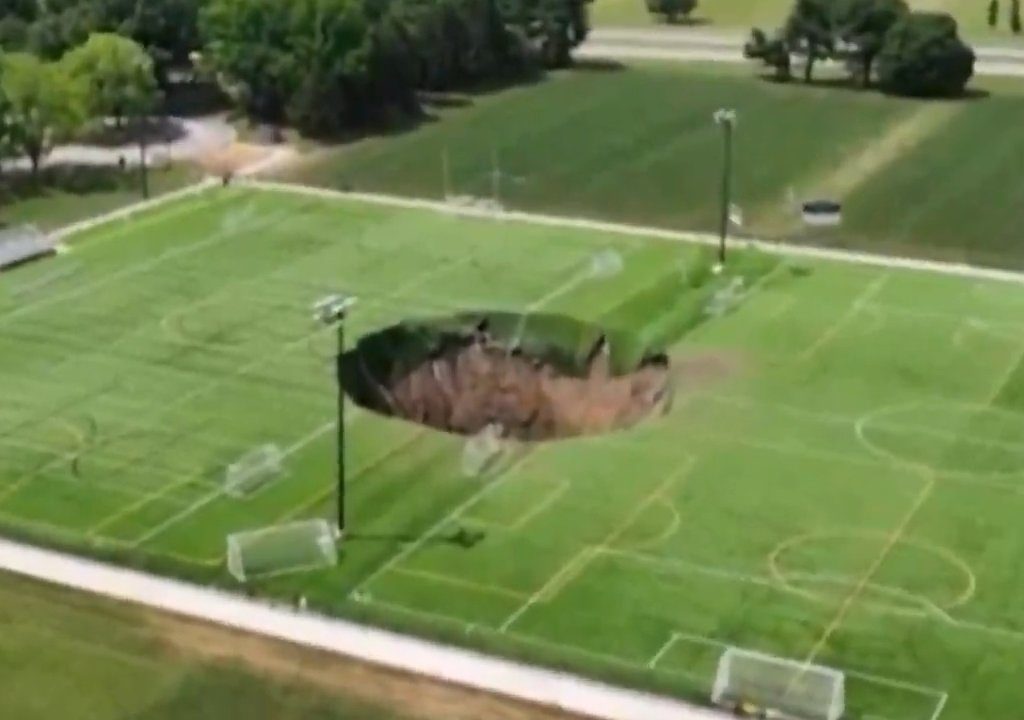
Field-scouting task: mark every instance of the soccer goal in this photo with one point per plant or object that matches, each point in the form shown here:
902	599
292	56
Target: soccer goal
253	470
482	451
280	549
778	686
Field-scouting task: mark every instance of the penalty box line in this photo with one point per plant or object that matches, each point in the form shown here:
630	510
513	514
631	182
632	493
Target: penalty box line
938	697
578	562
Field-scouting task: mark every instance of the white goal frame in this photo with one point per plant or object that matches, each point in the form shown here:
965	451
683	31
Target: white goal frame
782	696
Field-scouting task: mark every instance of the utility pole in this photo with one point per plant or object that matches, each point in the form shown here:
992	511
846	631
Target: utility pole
332	310
726	119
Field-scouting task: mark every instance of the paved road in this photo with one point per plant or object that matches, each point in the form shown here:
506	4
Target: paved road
200	137
689	45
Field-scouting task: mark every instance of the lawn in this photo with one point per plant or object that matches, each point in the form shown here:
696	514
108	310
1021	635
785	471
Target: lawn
638	145
844	488
73	656
66	194
740	15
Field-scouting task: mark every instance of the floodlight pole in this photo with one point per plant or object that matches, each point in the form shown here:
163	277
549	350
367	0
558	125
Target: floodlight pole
341	424
726	119
332	310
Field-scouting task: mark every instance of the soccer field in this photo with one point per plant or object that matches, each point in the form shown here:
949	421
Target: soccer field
837	481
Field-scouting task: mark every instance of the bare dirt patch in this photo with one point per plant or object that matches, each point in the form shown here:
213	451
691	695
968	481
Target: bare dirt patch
468	382
407	695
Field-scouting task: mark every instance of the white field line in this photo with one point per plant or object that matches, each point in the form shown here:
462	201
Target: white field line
662	651
140	267
566	691
578	563
210	497
134	209
641	231
205	500
412	547
161	410
858	304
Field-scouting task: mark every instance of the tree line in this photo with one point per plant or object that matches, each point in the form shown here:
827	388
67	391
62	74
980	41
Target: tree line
327	65
323	66
878	41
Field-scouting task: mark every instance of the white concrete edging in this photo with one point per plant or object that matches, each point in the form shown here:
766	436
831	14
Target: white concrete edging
565	691
780	248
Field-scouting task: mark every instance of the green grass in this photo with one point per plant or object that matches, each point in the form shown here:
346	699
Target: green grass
64	195
638	145
741	15
72	656
844	488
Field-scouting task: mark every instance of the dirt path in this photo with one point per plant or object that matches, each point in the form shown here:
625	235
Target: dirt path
407	695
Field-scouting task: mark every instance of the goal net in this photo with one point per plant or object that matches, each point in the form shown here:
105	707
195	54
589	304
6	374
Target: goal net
253	470
482	451
787	687
279	549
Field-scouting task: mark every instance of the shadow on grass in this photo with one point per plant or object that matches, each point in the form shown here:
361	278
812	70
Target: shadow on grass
18	185
854	85
461	537
597	65
682	22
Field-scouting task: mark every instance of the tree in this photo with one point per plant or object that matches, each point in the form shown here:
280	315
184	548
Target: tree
993	13
671	10
924	57
45	106
247	47
773	52
118	74
862	27
1015	25
810	31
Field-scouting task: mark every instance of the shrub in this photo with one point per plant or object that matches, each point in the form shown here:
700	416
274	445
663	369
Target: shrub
671	10
924	57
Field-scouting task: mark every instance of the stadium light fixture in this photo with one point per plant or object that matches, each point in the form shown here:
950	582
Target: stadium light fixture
332	310
726	119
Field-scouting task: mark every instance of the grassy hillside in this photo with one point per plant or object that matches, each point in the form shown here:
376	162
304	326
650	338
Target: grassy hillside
638	145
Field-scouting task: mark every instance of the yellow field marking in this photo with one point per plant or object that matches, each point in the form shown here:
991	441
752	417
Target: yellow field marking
861	301
668	531
460	582
575	566
313	501
783	577
847	604
558	489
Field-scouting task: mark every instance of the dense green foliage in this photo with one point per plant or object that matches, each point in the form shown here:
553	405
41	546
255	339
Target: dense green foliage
923	56
167	29
671	10
331	65
857	32
44	106
116	75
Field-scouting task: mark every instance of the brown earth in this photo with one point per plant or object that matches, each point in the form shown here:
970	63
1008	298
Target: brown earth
406	695
467	386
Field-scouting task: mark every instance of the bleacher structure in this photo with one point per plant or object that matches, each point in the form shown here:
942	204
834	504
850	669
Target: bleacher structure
22	244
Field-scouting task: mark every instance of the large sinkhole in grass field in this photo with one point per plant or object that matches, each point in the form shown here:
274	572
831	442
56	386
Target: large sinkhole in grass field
533	377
